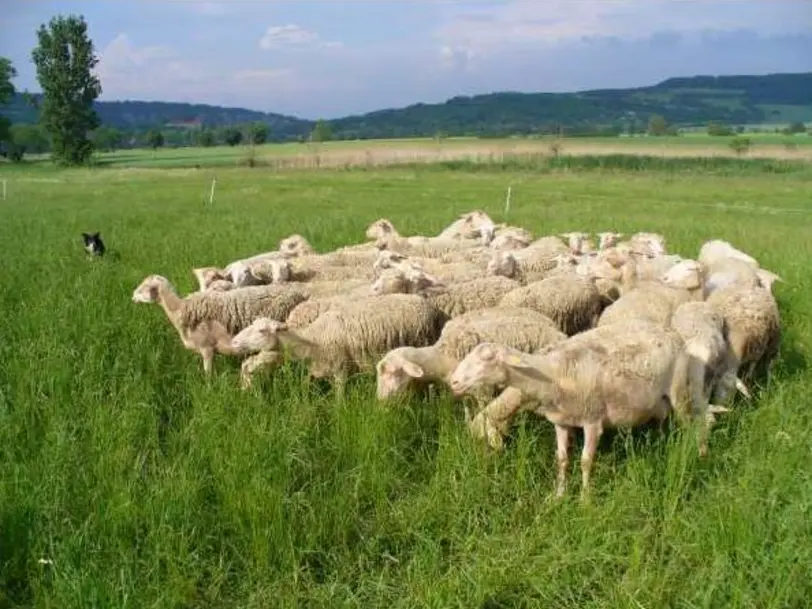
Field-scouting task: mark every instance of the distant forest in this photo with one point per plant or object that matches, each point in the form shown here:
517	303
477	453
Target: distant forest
676	102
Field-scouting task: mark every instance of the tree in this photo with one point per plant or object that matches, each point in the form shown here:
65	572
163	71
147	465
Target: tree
232	136
29	138
321	132
64	58
7	72
259	133
796	127
155	138
657	125
740	145
206	138
719	129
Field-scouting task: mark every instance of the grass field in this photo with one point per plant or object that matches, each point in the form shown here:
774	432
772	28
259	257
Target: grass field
375	153
128	480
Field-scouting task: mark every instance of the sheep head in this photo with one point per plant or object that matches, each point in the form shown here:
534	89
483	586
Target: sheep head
387	259
576	241
508	242
482	366
608	239
395	371
503	263
685	274
261	335
207	275
381	228
295	245
767	278
648	244
406	279
149	290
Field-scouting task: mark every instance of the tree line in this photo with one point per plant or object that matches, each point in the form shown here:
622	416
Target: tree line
68	124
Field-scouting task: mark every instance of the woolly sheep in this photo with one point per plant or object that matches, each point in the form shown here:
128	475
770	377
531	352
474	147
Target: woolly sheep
752	329
520	328
596	380
346	337
234	309
454	298
206	336
716	249
572	302
436	268
208	274
467	226
528	265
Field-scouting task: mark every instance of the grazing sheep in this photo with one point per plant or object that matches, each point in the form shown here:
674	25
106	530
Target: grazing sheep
752	329
209	274
716	250
579	243
571	301
520	328
608	239
206	336
261	271
454	298
346	337
596	380
528	265
433	247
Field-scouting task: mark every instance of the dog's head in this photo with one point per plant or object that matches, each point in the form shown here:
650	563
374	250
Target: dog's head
93	243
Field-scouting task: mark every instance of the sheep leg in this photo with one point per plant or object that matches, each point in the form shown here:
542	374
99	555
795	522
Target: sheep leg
562	441
207	353
592	435
493	420
263	359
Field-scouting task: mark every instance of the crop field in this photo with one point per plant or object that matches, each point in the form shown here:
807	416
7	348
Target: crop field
128	479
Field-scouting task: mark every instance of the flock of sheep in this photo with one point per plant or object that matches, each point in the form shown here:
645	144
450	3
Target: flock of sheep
613	335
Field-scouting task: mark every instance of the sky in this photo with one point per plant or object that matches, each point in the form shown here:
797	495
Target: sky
324	59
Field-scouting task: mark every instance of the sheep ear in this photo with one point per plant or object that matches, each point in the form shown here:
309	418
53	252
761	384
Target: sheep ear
540	369
412	369
300	347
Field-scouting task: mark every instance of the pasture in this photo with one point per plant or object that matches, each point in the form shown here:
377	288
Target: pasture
129	480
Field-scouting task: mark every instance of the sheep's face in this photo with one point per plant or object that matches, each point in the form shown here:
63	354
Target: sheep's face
606	240
649	244
395	373
149	289
471	224
280	271
480	367
575	241
686	274
390	282
261	335
295	245
240	273
380	229
386	260
503	264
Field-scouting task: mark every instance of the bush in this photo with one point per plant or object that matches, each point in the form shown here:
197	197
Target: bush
740	145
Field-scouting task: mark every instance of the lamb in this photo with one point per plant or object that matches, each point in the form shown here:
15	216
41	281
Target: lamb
752	329
572	302
346	337
601	378
454	298
520	328
206	336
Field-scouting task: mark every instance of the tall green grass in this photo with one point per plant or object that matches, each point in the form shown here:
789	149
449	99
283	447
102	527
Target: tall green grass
139	483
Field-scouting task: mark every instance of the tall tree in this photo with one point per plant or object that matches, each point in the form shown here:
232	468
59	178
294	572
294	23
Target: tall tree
64	59
7	72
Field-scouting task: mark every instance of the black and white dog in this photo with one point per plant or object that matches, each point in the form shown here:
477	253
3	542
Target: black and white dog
94	244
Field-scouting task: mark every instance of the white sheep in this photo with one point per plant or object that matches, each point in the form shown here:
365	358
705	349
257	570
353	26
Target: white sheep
601	378
571	301
529	264
752	329
454	298
520	328
350	336
468	226
206	336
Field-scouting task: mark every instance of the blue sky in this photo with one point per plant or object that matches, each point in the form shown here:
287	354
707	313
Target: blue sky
317	58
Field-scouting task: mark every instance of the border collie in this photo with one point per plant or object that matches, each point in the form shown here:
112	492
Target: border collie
93	244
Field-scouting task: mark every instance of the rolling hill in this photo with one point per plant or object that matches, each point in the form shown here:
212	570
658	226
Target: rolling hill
773	98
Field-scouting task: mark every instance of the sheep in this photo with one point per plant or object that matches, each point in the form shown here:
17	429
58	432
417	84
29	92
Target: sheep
261	271
521	328
209	274
716	249
454	298
430	248
344	338
601	378
234	309
752	330
572	302
650	245
206	336
504	236
608	239
295	245
656	300
467	226
460	271
701	327
528	265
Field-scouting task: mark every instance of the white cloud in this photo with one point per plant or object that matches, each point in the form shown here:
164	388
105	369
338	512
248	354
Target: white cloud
290	35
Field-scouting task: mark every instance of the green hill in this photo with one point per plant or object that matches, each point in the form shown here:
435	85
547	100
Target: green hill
773	98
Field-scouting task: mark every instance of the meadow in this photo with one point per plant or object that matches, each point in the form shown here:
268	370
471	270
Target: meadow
127	479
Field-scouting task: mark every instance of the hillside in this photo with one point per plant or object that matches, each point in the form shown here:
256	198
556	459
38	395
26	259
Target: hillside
774	98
